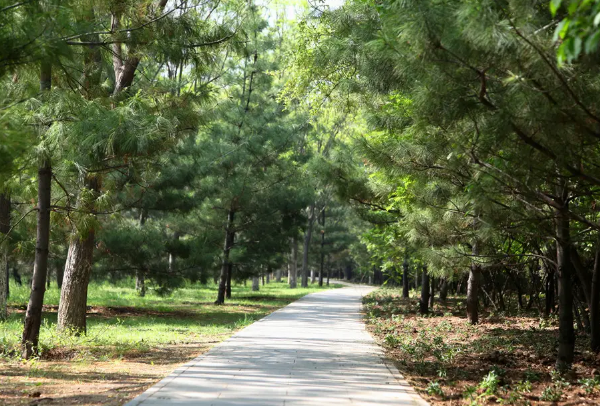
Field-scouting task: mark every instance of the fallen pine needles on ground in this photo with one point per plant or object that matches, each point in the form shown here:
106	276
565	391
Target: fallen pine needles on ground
506	359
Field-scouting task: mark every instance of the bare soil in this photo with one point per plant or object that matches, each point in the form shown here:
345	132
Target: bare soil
91	382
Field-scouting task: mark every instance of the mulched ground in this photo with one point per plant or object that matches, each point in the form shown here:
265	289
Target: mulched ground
506	359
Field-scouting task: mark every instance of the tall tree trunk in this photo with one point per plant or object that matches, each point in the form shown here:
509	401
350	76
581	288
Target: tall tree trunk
424	302
278	275
4	250
595	304
293	263
405	287
72	307
73	298
583	275
432	294
444	290
533	286
473	293
566	332
140	274
328	269
140	282
348	272
473	285
7	283
172	257
307	238
33	316
322	248
550	279
229	238
228	287
416	279
255	284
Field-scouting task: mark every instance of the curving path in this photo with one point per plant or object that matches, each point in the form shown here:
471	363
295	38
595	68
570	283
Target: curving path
313	352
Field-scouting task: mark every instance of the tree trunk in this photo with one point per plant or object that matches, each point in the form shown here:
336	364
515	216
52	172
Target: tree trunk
307	238
424	302
293	269
229	238
583	275
519	295
444	290
140	282
473	285
278	275
33	316
228	287
322	248
405	287
550	277
473	293
140	274
595	303
566	332
72	307
432	294
534	289
4	250
255	284
172	257
416	279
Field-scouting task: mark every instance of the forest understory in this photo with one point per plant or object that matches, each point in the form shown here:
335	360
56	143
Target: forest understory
131	344
508	358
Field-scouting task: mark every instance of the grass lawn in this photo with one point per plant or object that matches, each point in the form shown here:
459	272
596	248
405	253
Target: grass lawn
506	359
132	341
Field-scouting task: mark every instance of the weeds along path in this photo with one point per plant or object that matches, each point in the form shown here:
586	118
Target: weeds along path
315	351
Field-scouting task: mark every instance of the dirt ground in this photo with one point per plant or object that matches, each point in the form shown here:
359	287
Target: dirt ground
506	359
89	382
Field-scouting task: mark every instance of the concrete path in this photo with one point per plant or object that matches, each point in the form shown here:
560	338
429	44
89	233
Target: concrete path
313	352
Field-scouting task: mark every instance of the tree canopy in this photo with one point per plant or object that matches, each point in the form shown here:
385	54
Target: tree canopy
190	141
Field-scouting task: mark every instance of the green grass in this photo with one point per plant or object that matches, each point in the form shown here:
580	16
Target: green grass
121	323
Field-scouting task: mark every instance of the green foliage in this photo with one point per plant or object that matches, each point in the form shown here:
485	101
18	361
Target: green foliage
554	392
434	388
589	385
578	31
490	383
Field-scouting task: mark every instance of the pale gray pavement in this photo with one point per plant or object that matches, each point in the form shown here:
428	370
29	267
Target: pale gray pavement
313	352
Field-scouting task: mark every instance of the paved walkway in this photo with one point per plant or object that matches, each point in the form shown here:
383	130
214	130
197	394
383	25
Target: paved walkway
313	352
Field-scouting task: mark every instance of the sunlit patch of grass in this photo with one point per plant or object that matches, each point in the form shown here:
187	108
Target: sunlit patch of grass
122	324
